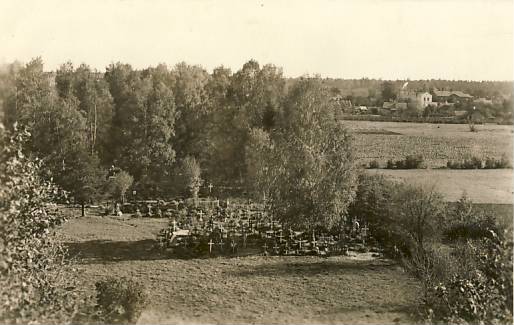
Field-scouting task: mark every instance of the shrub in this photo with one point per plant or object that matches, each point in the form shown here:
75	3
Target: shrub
464	222
413	162
476	228
477	163
480	295
410	162
34	283
492	163
373	164
120	300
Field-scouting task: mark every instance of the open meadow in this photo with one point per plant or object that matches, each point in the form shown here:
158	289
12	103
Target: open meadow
251	289
437	143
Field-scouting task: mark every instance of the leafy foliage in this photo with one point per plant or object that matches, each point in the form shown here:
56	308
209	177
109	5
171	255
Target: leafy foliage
188	177
410	162
482	295
308	173
33	278
120	300
119	184
478	163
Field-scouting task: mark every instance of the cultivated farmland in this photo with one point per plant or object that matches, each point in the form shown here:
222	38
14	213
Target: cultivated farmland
437	143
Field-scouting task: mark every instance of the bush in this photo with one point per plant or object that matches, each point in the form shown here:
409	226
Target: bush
120	300
481	294
472	229
373	164
34	283
477	163
410	162
492	163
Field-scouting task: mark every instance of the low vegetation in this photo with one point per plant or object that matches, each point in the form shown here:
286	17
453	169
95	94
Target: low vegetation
35	282
410	162
478	163
462	257
120	300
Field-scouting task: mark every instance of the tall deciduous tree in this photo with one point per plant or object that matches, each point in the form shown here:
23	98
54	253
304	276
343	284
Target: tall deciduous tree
192	104
94	102
143	126
310	174
188	177
31	94
119	184
388	91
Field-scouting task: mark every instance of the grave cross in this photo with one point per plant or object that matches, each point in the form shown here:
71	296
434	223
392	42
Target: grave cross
291	234
265	247
210	187
174	223
221	245
210	245
233	245
275	247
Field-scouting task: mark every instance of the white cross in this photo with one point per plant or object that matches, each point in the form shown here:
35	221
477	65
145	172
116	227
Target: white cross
210	187
210	245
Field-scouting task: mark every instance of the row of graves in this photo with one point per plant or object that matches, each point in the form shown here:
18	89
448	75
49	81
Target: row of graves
251	230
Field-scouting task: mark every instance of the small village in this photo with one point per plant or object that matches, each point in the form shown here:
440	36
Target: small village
444	106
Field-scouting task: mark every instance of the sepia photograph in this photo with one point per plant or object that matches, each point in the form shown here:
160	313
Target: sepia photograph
256	162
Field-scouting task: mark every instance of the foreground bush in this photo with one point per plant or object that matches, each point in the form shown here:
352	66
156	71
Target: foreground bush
483	294
120	300
464	222
467	278
32	268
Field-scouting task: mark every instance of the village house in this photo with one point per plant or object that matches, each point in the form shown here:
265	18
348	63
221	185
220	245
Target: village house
422	99
455	96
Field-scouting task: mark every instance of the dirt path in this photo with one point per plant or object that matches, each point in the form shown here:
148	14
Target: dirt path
255	289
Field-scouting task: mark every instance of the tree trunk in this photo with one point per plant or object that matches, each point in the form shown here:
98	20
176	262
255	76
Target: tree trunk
83	205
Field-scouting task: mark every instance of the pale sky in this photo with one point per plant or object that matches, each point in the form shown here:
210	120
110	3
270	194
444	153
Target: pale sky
389	39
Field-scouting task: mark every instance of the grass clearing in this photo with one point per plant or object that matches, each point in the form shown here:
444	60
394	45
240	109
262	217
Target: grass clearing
482	186
254	289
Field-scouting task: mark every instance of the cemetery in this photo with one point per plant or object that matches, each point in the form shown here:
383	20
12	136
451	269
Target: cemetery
240	230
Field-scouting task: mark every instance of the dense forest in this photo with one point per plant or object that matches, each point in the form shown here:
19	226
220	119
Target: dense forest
159	125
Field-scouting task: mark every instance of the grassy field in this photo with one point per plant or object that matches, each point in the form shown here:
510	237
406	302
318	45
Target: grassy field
255	289
482	186
438	143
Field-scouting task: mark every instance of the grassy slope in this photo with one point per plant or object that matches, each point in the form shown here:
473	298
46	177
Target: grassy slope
254	289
